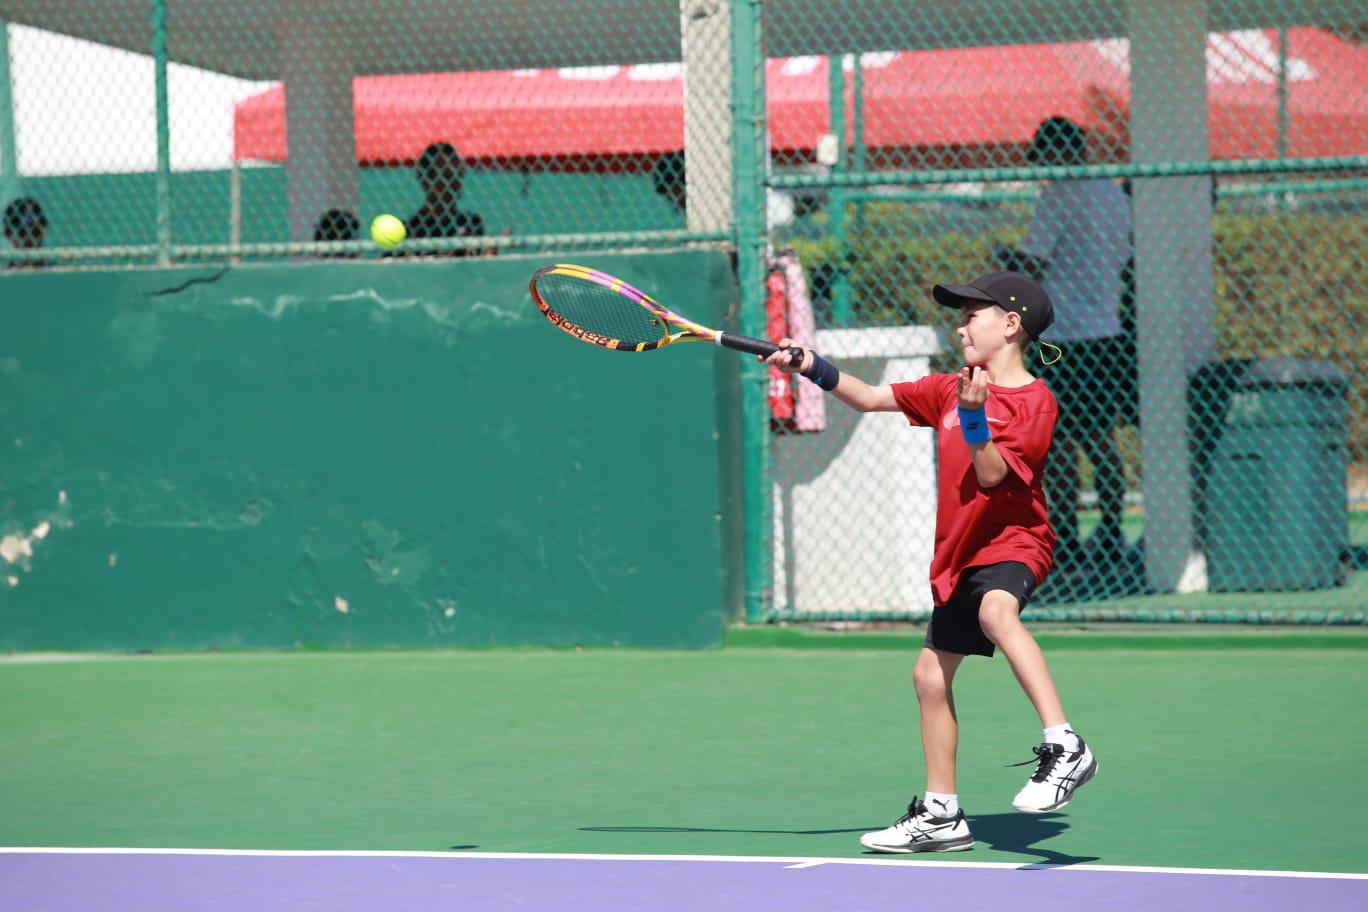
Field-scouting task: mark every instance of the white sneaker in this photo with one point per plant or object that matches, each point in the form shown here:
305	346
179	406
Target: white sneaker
919	831
1059	773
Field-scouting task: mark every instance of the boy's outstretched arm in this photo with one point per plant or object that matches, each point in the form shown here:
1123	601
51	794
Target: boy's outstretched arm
989	466
851	390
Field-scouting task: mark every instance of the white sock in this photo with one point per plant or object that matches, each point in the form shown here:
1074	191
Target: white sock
941	805
1062	734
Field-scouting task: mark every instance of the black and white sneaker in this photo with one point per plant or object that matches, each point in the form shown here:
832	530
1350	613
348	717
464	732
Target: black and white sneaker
920	831
1059	773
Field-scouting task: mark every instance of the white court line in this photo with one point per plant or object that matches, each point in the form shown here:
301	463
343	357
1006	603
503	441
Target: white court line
788	861
360	655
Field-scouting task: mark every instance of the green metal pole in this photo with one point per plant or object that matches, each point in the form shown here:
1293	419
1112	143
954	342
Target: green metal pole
857	160
159	56
748	201
1321	186
1282	92
840	287
1241	166
857	157
1282	105
10	184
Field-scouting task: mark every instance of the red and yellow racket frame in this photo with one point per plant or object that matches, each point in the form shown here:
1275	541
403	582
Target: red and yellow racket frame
688	331
674	328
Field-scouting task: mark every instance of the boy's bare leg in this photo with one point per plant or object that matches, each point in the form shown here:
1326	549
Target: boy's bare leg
1000	619
1065	762
923	829
933	675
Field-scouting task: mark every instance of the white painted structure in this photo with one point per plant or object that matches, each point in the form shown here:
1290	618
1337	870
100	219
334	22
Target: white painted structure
858	537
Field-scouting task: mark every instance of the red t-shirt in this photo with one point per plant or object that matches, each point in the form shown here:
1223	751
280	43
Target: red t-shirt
978	526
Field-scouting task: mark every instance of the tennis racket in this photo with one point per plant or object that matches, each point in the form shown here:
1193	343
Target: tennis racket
602	310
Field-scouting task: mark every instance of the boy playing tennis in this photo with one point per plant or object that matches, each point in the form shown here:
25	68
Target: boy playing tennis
994	544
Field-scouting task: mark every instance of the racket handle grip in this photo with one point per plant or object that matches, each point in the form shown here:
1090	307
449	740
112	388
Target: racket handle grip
756	346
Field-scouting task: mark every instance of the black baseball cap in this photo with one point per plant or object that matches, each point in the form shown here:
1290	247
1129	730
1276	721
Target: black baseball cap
1008	290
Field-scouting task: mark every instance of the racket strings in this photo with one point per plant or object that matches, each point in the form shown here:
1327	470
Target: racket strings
598	309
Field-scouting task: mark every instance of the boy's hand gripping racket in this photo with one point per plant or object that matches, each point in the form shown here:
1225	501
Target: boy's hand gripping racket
597	308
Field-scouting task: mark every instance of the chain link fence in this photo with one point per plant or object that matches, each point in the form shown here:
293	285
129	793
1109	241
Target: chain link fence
290	125
1209	461
1189	179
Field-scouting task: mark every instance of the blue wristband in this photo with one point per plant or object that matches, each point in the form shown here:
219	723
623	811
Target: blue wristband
823	373
974	425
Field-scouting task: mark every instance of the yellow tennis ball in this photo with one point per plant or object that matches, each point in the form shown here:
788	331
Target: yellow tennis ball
388	231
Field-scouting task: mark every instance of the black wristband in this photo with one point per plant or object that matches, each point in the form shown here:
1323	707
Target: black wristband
823	373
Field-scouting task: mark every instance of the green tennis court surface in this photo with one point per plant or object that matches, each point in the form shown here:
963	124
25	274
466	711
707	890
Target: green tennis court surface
1206	753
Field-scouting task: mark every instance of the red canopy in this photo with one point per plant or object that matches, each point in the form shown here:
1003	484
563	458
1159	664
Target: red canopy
946	100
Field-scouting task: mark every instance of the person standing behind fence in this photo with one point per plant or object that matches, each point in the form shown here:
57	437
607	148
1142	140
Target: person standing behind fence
25	228
1077	247
441	172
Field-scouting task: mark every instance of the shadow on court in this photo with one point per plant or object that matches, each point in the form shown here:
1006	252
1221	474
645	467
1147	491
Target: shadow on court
1019	834
677	829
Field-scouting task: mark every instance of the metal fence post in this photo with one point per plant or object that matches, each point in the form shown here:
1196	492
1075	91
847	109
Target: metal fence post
159	56
9	151
840	280
748	193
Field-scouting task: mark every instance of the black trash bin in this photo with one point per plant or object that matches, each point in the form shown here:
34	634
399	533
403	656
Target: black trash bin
1275	501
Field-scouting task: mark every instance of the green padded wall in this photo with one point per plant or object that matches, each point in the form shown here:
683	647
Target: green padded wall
356	455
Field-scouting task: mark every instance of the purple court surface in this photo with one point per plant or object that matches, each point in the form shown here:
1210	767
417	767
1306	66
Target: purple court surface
128	880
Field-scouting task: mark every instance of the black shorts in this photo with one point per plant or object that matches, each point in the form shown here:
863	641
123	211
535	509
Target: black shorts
955	626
